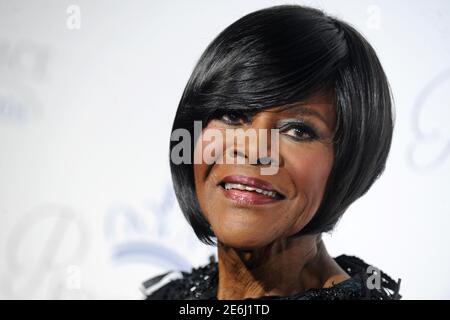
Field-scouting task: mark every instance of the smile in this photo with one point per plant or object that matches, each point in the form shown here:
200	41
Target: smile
248	190
238	186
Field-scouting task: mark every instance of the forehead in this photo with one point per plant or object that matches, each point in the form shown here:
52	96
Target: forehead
321	106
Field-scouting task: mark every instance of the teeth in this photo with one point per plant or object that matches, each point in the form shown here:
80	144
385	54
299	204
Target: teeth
239	186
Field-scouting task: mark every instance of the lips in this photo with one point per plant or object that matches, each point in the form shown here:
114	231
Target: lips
249	190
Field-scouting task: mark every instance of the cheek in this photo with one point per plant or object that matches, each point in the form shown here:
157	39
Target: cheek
200	171
208	148
309	167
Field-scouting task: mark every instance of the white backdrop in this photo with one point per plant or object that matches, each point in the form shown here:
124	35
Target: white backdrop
86	204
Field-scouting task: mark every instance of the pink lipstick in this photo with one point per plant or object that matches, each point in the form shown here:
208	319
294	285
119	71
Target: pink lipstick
249	190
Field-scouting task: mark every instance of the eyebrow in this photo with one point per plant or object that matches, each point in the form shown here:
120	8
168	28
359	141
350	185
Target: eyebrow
305	110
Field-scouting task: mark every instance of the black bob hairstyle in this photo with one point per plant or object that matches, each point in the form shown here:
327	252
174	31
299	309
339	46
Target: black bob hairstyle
282	55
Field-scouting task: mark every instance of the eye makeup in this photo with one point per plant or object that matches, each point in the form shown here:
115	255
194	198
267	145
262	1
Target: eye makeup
233	118
298	130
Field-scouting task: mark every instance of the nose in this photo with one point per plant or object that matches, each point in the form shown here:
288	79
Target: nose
255	147
265	160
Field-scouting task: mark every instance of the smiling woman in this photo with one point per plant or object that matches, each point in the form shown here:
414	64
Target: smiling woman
227	193
317	82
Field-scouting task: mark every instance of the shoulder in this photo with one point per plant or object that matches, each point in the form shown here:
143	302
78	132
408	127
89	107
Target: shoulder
374	283
366	282
199	283
161	286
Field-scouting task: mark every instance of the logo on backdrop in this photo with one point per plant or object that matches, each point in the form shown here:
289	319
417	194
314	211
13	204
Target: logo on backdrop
431	146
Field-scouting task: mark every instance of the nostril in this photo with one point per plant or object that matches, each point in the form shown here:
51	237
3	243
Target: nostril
237	154
264	160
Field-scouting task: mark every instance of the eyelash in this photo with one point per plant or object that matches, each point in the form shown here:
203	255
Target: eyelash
240	118
302	127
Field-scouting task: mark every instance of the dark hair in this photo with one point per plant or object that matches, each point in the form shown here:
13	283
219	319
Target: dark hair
282	55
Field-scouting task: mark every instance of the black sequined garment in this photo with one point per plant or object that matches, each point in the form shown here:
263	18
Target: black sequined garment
201	283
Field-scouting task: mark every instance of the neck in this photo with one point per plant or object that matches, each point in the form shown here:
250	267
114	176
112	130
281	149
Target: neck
283	268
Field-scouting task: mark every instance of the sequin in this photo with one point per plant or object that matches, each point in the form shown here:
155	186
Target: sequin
201	284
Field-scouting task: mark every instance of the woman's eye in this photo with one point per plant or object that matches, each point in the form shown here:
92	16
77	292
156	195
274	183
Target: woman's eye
233	119
300	132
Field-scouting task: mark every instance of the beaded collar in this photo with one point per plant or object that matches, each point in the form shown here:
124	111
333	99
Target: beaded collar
201	284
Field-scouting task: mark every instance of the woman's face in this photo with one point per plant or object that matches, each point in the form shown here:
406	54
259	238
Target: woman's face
248	210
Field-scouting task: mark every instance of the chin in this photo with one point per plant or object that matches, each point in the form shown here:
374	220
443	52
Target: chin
242	241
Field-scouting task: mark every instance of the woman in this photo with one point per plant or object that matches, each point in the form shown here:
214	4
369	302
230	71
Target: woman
318	84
